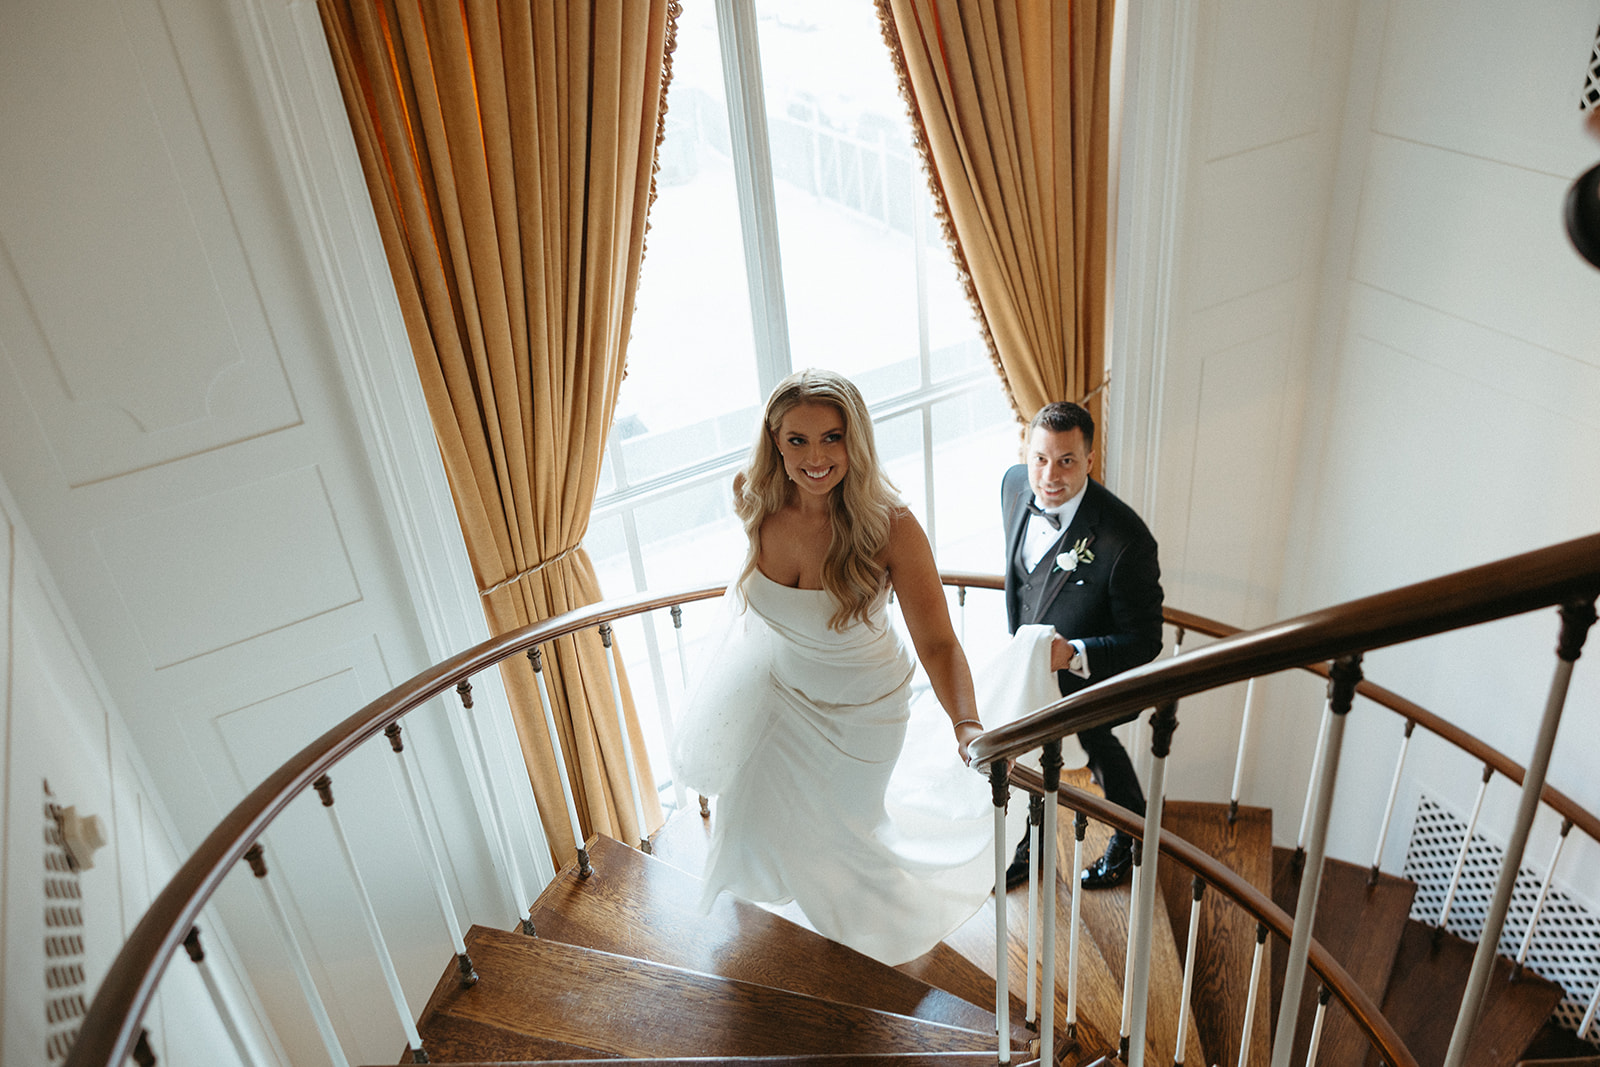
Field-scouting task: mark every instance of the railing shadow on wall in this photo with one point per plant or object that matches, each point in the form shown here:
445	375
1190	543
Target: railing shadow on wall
1330	642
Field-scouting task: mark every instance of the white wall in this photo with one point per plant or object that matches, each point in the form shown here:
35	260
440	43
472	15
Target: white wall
61	728
1456	397
196	424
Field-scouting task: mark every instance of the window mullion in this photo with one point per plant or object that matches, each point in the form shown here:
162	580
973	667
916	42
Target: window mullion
752	169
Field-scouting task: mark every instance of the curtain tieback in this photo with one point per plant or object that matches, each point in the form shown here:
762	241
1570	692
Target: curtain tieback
535	569
1083	401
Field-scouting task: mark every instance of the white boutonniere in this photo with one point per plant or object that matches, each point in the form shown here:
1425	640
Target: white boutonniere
1079	553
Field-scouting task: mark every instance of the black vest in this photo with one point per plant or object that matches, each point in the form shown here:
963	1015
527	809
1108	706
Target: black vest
1030	585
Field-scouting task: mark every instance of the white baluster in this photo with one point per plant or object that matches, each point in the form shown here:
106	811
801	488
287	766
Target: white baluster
1050	763
680	795
1188	971
1000	791
516	887
1388	808
1576	619
1162	723
1588	1016
441	891
537	659
1544	891
1461	856
1238	758
297	959
1035	821
1252	995
1311	783
324	788
1315	1044
622	728
1342	682
219	999
1080	825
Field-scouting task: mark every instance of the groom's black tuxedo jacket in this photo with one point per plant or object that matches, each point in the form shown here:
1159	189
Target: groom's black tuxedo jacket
1113	605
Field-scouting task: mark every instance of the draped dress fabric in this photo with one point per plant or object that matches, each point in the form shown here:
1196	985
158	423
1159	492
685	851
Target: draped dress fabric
798	730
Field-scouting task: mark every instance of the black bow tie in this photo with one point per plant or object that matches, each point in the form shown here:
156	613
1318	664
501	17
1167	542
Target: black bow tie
1053	520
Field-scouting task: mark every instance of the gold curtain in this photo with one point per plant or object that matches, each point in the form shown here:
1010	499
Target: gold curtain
509	152
1010	105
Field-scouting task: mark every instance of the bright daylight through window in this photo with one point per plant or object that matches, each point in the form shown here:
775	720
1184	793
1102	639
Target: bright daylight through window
868	287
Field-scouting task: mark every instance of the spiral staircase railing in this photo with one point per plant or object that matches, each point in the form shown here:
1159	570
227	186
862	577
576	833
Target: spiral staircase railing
1567	574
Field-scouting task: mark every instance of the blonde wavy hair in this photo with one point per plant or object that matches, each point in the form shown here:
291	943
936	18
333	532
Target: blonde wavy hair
860	507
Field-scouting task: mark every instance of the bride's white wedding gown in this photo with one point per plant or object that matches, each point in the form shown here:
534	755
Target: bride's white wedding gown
798	730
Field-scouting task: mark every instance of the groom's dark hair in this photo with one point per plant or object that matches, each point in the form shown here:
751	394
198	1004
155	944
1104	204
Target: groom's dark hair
1063	417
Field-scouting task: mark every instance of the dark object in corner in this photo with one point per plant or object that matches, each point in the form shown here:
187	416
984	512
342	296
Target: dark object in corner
1582	212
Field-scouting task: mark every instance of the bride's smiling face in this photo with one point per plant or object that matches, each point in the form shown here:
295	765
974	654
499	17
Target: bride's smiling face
810	439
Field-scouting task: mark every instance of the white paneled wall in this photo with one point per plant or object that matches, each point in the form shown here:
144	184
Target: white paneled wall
183	428
60	731
1456	406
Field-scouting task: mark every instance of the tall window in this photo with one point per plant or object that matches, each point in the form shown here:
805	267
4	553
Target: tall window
867	288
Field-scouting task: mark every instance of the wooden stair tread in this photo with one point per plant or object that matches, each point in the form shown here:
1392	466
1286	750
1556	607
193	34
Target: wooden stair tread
1226	944
1425	994
451	1039
635	905
1361	926
545	989
847	1059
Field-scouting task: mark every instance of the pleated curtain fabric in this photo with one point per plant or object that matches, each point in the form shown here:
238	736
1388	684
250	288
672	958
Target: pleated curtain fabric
1010	102
509	150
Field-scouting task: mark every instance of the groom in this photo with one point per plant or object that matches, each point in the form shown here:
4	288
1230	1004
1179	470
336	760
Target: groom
1080	560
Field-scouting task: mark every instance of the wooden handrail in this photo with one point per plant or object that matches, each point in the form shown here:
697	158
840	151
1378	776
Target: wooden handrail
1523	583
111	1027
1380	1033
1561	573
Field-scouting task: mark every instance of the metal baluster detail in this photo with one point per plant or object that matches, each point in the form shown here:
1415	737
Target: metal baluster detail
219	1000
1035	821
1238	758
430	847
536	658
1461	856
1311	785
516	886
1252	995
1315	1044
1125	1023
1177	639
1342	681
1050	764
622	728
961	611
1080	826
1189	954
1000	790
680	795
1538	905
142	1053
1576	620
297	959
324	787
1162	724
1388	808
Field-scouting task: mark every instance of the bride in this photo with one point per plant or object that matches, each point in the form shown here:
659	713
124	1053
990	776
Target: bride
797	726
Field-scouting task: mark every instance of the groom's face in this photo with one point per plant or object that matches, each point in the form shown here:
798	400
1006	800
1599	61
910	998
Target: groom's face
1058	465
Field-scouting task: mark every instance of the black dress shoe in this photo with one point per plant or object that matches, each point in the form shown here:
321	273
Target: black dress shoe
1110	869
1017	873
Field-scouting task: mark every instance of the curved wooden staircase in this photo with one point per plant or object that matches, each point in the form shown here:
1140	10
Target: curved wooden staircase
623	965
